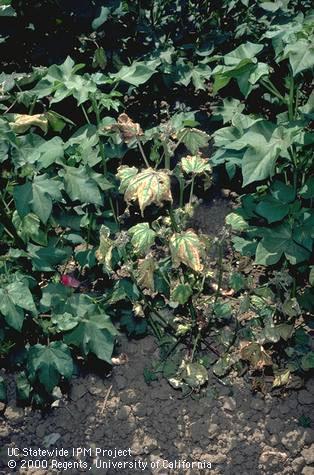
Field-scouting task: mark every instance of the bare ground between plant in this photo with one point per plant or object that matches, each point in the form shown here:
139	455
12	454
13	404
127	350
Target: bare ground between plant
232	428
236	430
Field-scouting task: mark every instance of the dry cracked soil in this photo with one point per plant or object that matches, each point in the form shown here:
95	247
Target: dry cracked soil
235	432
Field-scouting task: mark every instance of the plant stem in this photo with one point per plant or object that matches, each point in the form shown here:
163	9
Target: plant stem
173	220
195	345
192	189
291	98
85	114
142	152
271	88
220	270
181	187
154	327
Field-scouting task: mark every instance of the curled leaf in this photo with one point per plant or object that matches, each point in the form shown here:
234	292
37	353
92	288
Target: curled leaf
195	164
188	249
22	122
149	186
145	273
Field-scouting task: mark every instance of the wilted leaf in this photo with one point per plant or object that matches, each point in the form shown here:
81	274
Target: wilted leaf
22	122
149	186
145	273
104	251
281	379
195	375
195	164
181	293
255	354
128	129
188	249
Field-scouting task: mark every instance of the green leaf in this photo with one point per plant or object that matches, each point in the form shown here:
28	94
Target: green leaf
3	390
188	249
23	387
94	334
229	110
259	160
237	281
244	246
181	293
80	186
307	190
300	54
102	18
49	363
193	139
138	73
275	243
14	298
143	237
28	228
271	209
37	196
282	192
307	361
46	258
64	321
54	297
134	326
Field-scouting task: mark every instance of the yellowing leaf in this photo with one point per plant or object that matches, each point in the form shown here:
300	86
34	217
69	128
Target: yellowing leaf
195	375
145	273
188	249
22	122
142	237
282	378
149	186
104	252
125	174
195	164
255	354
